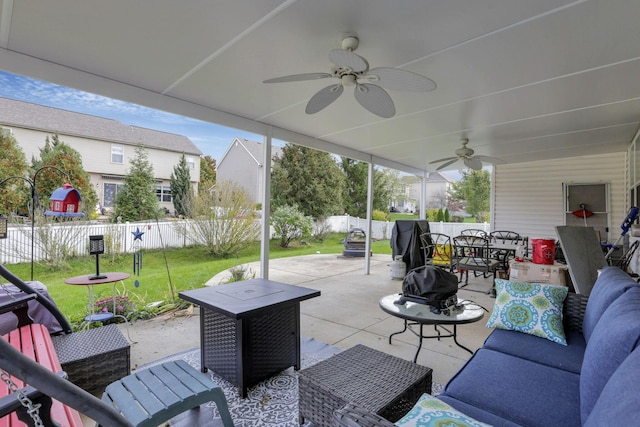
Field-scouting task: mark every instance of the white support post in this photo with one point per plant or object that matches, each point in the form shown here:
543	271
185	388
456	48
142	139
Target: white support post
367	246
266	206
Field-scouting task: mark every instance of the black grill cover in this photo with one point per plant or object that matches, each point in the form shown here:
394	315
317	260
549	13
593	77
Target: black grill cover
405	241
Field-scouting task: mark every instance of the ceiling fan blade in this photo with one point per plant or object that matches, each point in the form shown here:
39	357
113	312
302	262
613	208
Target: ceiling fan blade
473	163
396	79
298	77
446	159
323	98
488	159
450	162
347	59
375	99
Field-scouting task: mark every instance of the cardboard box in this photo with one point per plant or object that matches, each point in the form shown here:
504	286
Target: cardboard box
538	273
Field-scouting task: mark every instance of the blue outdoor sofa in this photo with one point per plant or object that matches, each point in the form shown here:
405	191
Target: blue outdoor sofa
518	379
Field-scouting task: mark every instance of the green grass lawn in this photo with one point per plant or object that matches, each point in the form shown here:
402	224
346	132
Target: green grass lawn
188	268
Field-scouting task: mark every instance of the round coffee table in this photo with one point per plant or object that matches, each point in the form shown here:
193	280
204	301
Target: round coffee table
420	314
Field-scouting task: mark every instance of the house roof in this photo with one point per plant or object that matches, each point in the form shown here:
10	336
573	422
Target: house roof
55	120
254	148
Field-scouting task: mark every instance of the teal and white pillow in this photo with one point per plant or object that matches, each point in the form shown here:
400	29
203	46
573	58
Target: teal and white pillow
430	411
531	308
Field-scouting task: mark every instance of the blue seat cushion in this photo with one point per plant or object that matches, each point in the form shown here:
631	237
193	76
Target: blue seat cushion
477	413
616	335
540	350
611	283
518	390
618	402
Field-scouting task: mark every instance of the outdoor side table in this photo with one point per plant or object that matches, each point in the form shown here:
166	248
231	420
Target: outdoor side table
415	313
94	358
87	281
382	383
249	330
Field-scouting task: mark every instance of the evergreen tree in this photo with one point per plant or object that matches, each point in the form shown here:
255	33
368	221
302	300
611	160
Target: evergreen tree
207	173
181	190
356	186
307	178
56	153
12	163
137	200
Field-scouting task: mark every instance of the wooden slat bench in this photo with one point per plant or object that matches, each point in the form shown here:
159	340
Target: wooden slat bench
35	342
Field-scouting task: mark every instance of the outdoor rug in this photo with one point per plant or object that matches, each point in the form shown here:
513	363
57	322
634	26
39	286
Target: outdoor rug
273	402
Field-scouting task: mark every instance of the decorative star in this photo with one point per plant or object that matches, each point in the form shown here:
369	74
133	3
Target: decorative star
137	235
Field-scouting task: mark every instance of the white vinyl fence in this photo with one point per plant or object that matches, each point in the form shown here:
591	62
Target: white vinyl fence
119	238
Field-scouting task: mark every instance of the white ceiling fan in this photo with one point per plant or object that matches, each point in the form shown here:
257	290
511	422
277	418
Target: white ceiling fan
353	70
470	160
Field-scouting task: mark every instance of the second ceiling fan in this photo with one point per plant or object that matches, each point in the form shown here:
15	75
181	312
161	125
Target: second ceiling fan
466	155
353	70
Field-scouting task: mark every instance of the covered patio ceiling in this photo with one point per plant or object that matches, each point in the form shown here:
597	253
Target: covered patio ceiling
522	80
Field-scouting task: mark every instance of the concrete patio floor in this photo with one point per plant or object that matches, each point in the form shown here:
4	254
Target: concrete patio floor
346	314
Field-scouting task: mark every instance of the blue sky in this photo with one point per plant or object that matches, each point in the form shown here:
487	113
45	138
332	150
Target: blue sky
209	138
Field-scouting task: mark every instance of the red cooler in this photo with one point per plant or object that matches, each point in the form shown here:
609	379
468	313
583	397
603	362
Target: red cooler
543	251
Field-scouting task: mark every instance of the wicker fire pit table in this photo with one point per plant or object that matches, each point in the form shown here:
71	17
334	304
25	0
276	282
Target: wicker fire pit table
380	382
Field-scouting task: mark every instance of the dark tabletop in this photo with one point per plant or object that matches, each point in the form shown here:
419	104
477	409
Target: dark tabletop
248	297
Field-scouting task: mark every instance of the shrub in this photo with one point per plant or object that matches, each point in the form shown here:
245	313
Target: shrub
222	219
380	216
289	222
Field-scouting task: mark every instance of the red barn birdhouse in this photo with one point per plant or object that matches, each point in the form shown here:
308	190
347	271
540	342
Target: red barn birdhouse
65	201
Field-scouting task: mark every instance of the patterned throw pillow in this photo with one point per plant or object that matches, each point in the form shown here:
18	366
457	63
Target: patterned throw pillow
433	412
531	308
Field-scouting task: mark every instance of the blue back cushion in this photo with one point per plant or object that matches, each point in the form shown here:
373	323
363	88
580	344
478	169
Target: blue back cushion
618	402
616	335
611	283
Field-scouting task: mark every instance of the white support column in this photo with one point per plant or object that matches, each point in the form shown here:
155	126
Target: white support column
266	206
367	246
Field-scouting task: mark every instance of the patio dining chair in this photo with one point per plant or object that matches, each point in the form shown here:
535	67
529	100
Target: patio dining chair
508	238
473	232
437	250
471	253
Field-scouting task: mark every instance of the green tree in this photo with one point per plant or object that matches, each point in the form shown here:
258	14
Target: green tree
385	184
181	190
136	200
207	173
475	189
307	178
58	154
12	163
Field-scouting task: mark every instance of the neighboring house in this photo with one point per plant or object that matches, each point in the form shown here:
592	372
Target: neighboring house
437	190
106	146
242	163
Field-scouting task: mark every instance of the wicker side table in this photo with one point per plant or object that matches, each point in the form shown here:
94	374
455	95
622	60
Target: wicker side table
380	382
94	358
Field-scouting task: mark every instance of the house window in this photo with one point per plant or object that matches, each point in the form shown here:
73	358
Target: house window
117	153
163	193
191	163
110	193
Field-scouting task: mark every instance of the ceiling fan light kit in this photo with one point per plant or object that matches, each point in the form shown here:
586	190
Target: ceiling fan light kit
353	70
466	155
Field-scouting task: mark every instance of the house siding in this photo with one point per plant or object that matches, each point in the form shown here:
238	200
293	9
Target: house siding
239	166
528	197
